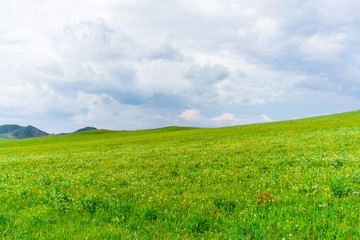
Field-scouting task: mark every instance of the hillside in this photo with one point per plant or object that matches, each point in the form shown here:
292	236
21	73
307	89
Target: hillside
14	131
296	179
6	129
19	132
81	130
85	129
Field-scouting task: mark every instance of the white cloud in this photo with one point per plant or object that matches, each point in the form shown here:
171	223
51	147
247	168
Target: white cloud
322	48
195	118
224	117
265	118
191	115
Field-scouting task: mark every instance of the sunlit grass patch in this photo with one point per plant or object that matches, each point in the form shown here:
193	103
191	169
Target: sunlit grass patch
340	186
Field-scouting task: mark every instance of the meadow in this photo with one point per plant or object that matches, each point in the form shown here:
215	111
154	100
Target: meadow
296	179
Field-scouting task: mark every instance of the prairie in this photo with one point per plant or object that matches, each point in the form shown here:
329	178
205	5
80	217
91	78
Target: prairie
297	179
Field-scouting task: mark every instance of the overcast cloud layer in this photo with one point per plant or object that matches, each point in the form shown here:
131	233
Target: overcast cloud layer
135	64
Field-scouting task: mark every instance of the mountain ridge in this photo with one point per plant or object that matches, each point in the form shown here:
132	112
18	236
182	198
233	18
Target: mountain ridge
14	131
80	130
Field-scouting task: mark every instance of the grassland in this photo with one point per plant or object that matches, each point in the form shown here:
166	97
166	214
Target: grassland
296	179
5	137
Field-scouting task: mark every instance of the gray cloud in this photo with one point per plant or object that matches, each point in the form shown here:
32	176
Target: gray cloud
318	83
207	74
165	52
94	40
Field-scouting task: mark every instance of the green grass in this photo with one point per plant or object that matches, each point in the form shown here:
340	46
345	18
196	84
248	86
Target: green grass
4	137
295	179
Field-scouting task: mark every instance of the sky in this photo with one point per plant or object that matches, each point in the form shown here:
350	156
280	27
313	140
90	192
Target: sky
139	64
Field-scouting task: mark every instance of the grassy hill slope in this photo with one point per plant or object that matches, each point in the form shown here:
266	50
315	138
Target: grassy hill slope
295	179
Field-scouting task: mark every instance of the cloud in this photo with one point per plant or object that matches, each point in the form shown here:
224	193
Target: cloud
165	52
225	117
191	115
195	118
322	47
318	83
265	118
207	74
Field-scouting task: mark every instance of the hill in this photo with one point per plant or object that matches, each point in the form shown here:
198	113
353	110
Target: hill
296	179
80	130
5	129
19	132
85	129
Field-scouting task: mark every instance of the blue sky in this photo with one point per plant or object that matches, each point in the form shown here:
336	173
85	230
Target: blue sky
136	64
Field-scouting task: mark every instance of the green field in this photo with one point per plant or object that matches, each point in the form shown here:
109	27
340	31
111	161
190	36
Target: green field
295	179
3	137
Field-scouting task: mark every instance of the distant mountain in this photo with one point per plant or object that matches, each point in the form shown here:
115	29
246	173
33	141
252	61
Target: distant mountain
19	132
81	130
85	129
5	129
13	131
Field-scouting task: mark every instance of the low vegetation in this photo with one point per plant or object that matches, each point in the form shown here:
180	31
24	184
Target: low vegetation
284	180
